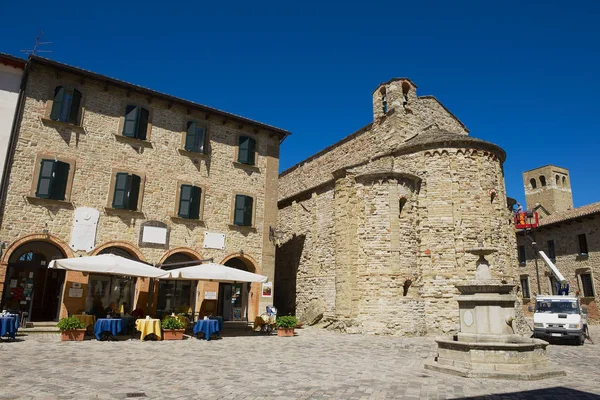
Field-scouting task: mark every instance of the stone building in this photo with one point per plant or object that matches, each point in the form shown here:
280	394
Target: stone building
569	236
374	227
104	166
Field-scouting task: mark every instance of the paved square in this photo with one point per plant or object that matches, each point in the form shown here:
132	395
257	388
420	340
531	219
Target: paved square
316	364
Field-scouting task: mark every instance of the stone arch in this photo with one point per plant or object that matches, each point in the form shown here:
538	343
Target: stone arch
185	250
250	262
121	244
39	237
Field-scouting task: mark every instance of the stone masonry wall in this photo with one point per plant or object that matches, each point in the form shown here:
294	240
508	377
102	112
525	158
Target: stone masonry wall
97	149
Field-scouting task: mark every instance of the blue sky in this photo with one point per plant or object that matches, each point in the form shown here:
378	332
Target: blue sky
521	74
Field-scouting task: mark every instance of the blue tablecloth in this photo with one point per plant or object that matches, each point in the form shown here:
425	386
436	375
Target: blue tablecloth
8	326
112	325
206	326
220	321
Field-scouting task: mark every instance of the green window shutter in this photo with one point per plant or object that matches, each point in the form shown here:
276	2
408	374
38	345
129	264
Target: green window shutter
251	150
45	181
185	200
248	211
59	183
75	104
142	124
120	195
59	93
190	136
195	203
243	143
130	123
238	213
200	137
133	194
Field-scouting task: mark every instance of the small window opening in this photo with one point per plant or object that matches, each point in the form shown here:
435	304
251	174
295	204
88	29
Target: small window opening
405	287
542	180
405	90
401	204
533	183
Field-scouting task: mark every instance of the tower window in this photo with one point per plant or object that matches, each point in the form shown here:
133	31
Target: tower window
542	180
533	183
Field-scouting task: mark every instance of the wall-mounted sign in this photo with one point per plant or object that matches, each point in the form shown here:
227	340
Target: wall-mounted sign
154	234
214	240
83	234
210	295
267	289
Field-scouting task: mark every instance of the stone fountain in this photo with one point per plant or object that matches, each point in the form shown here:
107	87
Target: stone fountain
487	345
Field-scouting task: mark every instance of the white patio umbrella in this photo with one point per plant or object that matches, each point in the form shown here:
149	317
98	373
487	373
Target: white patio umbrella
213	272
108	264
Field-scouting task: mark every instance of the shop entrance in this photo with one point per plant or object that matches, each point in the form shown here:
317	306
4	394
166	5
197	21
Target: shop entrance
233	297
175	296
29	286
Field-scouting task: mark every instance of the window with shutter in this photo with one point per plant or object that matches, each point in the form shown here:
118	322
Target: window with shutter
195	137
130	123
142	127
185	201
65	105
243	210
75	104
44	187
246	150
61	177
59	93
134	192
120	194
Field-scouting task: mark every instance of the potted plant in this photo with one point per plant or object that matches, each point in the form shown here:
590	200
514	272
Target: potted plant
172	328
71	329
286	325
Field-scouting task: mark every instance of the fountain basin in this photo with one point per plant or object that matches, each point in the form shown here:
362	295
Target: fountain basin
494	356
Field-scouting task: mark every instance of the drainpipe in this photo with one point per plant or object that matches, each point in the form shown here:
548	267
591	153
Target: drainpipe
12	141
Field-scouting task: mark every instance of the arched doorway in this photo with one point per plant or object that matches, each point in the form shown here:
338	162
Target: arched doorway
29	286
111	291
175	296
232	302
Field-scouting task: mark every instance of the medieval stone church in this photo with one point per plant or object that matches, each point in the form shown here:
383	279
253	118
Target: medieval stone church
375	226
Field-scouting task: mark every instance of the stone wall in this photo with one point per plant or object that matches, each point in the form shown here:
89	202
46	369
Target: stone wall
97	148
380	270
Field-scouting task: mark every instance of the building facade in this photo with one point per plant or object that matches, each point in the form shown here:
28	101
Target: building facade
104	166
375	227
569	236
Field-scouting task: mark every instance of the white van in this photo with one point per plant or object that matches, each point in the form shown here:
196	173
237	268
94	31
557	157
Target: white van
559	317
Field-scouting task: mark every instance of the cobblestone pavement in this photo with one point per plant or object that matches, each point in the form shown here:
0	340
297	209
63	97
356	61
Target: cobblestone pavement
316	364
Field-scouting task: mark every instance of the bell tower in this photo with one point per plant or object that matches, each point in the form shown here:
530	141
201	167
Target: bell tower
549	187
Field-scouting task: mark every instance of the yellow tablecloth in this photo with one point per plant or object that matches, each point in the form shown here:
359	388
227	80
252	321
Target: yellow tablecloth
86	319
148	326
261	320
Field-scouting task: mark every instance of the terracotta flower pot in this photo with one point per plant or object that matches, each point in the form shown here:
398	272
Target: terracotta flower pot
285	332
173	334
72	335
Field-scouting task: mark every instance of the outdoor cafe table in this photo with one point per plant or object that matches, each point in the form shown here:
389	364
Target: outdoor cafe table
112	325
8	326
147	326
86	319
206	326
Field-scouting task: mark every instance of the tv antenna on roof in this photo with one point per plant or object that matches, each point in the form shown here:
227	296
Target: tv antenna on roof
37	44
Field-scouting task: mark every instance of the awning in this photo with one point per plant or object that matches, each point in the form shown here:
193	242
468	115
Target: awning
108	264
213	272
